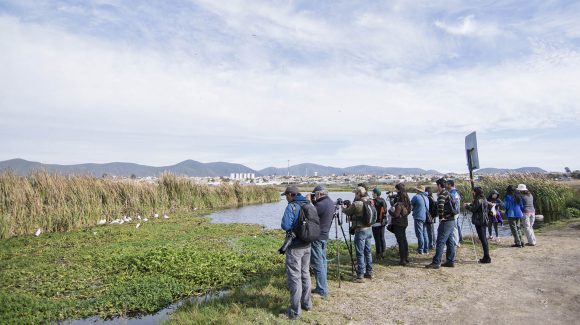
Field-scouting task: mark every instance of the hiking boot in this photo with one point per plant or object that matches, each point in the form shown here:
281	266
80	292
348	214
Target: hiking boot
528	244
485	260
368	276
359	279
516	245
448	264
291	316
432	266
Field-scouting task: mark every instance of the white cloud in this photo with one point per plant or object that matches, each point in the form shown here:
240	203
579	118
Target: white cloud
470	27
370	89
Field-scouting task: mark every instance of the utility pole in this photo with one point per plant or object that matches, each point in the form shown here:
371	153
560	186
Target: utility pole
288	169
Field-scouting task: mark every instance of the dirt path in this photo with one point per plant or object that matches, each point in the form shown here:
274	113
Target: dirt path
531	285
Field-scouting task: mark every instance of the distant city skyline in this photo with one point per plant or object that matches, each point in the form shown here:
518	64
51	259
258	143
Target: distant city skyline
259	83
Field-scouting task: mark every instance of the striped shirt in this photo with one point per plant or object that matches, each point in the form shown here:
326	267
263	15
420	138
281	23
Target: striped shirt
442	197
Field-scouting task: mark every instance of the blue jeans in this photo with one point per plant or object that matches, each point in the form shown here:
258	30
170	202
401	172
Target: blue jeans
445	238
421	233
319	265
364	258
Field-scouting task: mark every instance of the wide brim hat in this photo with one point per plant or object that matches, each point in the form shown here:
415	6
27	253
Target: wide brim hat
522	187
420	188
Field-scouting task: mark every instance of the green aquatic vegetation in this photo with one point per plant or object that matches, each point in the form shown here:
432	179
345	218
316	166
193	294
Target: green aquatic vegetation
117	270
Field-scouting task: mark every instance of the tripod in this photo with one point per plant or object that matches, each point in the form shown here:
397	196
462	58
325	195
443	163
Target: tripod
472	236
338	222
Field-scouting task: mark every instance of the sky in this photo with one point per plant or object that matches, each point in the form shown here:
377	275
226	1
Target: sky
340	83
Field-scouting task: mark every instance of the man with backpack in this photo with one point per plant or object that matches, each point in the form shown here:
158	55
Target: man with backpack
325	208
362	214
446	210
297	254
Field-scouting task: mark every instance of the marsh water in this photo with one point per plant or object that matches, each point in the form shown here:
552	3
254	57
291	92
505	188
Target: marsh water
270	216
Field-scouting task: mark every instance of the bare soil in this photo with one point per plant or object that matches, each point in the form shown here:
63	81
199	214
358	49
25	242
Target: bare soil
530	285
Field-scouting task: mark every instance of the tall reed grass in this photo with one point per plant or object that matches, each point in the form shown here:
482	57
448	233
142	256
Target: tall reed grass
61	203
550	197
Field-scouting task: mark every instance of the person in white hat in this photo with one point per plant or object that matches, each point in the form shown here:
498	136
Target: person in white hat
529	214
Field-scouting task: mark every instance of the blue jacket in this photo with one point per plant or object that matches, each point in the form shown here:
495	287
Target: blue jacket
513	209
290	218
420	204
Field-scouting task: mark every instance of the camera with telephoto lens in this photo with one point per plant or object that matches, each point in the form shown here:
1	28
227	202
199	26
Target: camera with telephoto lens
290	235
339	201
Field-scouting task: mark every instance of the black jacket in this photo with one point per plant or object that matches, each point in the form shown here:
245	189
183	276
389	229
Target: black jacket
325	208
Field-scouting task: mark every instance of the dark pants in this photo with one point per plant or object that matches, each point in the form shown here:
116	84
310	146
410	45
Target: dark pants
494	224
401	235
483	240
379	236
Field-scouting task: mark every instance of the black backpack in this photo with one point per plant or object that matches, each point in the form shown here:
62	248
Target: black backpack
369	216
308	226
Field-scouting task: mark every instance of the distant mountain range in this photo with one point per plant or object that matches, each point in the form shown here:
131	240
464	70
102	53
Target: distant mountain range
216	169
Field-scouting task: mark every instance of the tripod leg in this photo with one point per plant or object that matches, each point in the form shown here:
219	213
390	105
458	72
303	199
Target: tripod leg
337	251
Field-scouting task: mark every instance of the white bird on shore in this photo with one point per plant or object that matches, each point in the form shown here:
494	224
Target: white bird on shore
138	225
156	215
138	217
37	233
194	209
126	219
165	216
145	219
102	222
94	232
115	222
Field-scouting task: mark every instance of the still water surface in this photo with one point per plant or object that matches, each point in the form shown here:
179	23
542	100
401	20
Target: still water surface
270	216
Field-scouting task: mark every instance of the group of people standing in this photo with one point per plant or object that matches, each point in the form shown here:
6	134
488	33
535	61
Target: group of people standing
426	209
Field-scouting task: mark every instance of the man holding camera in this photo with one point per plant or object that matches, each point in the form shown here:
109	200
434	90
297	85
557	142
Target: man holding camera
325	208
362	235
297	256
447	224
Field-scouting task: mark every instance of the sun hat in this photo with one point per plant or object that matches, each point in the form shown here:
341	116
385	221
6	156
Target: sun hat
420	188
522	187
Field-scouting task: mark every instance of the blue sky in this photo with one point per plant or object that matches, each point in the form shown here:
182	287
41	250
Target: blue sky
341	83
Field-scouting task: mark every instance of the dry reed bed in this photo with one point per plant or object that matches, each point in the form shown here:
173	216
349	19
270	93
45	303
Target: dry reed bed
61	203
550	197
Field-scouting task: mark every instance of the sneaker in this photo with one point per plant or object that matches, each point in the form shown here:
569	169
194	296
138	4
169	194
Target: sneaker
432	266
448	264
